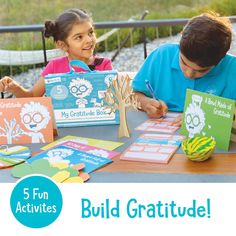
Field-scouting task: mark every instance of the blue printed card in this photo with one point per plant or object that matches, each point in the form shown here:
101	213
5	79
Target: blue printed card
77	98
72	156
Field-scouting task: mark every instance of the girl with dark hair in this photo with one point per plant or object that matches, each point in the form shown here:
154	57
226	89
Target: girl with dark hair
73	32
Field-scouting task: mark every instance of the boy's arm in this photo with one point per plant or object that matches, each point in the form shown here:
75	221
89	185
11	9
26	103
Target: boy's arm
153	108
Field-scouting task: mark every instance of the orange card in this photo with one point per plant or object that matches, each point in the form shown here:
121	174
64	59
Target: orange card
26	120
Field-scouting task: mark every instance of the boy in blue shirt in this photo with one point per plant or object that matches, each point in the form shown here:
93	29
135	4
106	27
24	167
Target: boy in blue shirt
198	62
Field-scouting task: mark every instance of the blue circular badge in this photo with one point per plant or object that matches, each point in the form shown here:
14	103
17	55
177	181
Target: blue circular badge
36	201
59	92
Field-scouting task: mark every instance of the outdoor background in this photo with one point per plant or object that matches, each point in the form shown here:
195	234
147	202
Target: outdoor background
18	12
28	12
31	12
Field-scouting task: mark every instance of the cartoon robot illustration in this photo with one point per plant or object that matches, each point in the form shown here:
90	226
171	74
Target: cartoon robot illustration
194	116
57	155
98	152
80	88
35	117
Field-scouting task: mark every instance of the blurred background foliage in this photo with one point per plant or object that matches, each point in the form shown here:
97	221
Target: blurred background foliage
30	12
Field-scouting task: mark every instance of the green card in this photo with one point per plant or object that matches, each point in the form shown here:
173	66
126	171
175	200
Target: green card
208	115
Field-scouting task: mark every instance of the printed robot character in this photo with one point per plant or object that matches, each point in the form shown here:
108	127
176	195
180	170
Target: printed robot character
194	116
57	155
98	152
80	88
35	117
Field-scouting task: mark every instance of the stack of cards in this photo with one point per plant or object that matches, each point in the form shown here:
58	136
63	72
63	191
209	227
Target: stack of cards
157	148
10	156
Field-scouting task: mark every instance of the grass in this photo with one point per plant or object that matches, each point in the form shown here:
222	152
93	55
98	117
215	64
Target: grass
17	12
26	12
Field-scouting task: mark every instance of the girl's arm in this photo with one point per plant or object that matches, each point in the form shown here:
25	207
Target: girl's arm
38	89
7	84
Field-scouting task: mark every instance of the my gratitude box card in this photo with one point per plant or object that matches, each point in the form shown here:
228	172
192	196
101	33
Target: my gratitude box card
208	115
77	97
26	120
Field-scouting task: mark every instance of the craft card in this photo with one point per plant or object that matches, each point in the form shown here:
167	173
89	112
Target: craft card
90	149
233	131
163	125
72	156
26	120
77	97
208	115
157	148
10	156
59	173
108	145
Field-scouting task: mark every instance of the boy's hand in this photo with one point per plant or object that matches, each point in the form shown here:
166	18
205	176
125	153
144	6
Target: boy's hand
154	108
7	84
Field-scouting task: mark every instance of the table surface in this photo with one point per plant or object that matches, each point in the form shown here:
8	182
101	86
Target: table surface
219	168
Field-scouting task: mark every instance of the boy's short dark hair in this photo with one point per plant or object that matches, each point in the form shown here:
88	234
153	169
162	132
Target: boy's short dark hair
206	39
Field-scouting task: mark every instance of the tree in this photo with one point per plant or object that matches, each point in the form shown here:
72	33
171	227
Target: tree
11	131
120	96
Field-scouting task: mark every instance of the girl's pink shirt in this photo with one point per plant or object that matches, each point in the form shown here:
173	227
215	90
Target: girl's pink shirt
61	65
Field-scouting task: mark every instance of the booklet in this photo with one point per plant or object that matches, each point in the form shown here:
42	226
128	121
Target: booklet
91	149
106	144
72	156
208	115
26	120
157	148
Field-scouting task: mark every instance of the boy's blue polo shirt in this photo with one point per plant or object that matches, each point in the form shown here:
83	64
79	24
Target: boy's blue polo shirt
163	71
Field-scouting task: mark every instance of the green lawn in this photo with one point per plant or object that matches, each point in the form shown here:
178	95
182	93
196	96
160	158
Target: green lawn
17	12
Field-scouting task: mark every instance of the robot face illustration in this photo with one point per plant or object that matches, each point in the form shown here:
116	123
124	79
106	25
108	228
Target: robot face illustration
98	152
80	88
34	116
59	152
194	119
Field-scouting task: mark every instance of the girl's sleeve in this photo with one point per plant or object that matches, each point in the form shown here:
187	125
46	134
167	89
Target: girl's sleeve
107	64
48	69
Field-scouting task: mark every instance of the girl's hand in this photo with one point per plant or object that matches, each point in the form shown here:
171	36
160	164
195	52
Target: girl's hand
7	84
178	120
154	108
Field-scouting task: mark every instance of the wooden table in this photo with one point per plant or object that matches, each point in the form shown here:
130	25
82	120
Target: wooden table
224	164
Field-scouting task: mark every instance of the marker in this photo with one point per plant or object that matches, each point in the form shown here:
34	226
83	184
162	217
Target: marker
150	89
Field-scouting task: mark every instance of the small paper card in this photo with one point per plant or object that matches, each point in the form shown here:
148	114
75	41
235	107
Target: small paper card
208	115
72	156
10	156
163	125
26	120
157	148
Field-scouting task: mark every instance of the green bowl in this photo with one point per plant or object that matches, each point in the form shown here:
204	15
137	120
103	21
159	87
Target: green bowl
198	148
